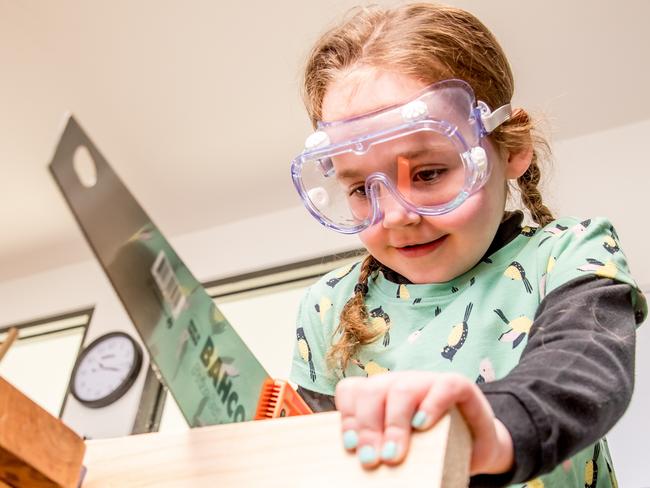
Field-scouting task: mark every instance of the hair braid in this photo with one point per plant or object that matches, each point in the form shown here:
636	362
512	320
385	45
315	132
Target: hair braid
353	325
530	195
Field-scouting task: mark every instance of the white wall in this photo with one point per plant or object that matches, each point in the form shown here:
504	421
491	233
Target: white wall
600	174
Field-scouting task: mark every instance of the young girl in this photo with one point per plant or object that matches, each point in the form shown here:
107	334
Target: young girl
529	331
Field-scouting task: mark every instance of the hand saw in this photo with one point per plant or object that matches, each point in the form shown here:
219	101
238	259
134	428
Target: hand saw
198	356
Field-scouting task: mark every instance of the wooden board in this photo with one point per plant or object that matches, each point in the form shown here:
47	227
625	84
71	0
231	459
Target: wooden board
304	451
36	448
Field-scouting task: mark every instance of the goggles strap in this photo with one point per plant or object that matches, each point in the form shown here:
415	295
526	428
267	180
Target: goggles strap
493	119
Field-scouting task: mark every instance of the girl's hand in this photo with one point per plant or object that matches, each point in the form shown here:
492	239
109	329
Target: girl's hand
378	414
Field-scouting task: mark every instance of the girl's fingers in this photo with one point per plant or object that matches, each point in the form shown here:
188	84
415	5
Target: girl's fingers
345	399
447	391
371	404
361	402
402	401
378	413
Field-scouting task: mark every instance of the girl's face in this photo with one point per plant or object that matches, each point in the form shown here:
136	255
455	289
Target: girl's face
422	249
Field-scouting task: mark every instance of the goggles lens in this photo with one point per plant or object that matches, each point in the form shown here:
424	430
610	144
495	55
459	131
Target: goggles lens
424	169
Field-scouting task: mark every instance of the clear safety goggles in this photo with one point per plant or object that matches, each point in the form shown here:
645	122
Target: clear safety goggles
425	154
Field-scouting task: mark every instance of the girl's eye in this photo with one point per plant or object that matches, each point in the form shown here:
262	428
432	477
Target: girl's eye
429	175
358	191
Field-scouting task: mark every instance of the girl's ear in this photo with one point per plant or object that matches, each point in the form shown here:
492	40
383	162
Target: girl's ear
518	162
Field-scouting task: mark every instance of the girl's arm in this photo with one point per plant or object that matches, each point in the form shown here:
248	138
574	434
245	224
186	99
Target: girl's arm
574	379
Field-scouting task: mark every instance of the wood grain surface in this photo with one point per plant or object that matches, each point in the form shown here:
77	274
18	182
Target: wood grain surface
304	451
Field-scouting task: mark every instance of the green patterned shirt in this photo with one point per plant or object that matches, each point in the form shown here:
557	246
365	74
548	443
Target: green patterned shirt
476	324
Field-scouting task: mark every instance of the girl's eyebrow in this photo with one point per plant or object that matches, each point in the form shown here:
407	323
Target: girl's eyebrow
347	174
414	154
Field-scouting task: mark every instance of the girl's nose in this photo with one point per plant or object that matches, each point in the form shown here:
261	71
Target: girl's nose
396	215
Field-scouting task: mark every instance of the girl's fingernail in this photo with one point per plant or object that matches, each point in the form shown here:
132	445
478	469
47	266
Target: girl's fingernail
350	439
389	451
419	419
367	455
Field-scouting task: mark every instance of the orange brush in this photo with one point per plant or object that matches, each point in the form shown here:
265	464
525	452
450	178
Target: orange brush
279	399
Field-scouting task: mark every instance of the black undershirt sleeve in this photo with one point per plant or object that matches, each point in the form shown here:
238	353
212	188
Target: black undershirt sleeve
573	382
574	379
318	402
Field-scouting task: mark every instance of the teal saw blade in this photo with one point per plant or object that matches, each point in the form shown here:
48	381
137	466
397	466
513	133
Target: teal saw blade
209	370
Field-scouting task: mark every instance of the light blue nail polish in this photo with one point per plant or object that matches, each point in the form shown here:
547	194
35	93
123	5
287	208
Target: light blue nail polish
419	419
367	455
350	439
389	451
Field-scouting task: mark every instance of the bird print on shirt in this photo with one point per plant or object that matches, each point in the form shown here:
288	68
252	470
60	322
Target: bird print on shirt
555	231
558	230
403	292
332	282
528	231
371	367
457	336
591	468
604	270
323	307
516	272
542	281
486	371
610	245
305	352
380	321
519	328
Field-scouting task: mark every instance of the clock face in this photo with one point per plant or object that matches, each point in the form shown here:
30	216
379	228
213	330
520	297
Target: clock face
106	369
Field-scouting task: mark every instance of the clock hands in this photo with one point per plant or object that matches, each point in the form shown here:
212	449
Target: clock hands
108	368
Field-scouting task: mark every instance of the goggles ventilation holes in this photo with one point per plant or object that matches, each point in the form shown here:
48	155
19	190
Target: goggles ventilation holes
415	110
319	196
317	139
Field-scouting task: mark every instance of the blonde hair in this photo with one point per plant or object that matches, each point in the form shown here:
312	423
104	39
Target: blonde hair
429	43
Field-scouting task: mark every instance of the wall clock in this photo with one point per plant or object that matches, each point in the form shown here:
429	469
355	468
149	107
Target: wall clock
106	369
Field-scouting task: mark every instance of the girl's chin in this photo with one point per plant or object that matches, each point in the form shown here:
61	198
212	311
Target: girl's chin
429	273
417	277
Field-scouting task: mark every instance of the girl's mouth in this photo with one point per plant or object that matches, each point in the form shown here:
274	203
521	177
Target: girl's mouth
421	249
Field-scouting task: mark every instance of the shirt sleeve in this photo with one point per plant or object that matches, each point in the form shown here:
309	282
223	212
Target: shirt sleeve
313	338
588	247
574	379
